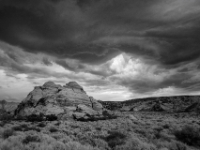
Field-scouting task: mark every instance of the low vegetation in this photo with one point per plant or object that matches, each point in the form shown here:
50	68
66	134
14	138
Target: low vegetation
144	131
189	135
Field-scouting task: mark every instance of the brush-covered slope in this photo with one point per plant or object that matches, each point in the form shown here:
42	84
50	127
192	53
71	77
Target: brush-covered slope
165	104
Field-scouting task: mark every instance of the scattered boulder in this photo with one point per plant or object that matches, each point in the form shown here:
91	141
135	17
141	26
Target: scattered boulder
95	104
85	109
80	116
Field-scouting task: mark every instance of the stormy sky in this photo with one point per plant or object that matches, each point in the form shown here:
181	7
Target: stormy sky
115	49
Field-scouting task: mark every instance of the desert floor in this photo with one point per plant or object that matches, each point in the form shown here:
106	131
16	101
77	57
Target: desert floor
132	131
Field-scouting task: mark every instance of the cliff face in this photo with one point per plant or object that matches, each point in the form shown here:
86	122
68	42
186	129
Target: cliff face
57	100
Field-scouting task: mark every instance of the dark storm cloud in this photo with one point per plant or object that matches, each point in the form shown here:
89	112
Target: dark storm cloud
46	61
100	70
165	33
76	29
13	61
186	77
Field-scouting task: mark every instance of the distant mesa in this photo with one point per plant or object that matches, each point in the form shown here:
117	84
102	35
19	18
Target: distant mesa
66	102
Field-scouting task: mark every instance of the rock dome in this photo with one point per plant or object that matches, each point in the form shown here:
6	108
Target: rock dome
53	99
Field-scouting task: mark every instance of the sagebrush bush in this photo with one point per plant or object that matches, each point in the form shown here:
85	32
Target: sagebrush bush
2	123
115	138
11	145
25	127
31	138
35	118
7	133
189	135
53	129
51	117
134	143
42	124
6	117
171	145
22	127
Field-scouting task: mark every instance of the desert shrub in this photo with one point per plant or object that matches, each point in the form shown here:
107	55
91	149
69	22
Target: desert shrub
2	123
108	115
36	118
189	135
101	144
172	145
177	146
32	128
134	143
157	132
115	138
84	139
53	129
31	138
7	133
6	117
17	128
78	146
19	118
142	132
51	117
42	124
11	145
24	127
166	126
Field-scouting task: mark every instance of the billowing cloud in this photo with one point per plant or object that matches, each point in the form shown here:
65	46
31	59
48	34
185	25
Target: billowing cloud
136	48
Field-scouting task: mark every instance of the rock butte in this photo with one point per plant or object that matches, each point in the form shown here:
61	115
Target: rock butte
68	101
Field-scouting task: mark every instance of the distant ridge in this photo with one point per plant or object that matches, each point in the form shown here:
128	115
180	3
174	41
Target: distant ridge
168	104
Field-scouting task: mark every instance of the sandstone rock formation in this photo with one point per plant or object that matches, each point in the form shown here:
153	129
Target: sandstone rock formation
66	101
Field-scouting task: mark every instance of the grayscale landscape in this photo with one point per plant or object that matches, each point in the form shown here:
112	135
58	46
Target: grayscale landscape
99	74
64	117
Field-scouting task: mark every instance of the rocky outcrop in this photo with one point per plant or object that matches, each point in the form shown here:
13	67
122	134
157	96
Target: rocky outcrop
63	101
